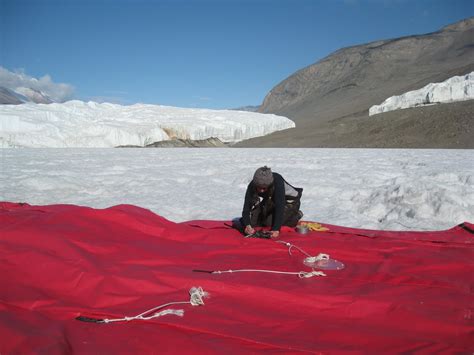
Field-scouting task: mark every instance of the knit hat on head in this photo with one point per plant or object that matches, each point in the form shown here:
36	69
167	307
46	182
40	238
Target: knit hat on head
263	177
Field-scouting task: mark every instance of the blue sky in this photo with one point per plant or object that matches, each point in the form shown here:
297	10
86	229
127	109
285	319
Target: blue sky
197	53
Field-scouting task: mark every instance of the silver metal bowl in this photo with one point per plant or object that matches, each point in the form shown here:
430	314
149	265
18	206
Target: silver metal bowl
302	229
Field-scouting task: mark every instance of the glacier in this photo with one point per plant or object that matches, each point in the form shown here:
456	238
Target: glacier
457	88
78	124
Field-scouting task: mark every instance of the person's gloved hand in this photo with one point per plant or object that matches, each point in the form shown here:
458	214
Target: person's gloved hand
249	230
274	234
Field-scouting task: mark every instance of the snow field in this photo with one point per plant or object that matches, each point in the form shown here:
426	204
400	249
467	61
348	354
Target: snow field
377	189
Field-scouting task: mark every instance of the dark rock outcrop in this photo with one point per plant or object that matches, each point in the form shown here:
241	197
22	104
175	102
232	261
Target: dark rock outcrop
184	143
188	143
9	97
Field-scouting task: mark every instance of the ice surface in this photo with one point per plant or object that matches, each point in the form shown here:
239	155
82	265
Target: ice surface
457	88
380	189
89	124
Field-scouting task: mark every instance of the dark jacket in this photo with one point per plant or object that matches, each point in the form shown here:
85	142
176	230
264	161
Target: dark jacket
271	203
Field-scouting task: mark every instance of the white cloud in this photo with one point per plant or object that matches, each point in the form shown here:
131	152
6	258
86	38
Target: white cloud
57	91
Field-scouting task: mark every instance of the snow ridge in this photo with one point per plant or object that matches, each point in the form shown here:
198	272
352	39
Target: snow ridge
457	88
81	124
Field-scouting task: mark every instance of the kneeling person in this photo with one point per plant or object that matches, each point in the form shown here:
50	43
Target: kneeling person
270	201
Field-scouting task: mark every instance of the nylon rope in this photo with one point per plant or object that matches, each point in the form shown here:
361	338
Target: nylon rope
309	258
196	299
301	274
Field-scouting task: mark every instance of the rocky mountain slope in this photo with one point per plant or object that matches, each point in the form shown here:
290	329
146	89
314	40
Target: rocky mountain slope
22	95
329	100
9	97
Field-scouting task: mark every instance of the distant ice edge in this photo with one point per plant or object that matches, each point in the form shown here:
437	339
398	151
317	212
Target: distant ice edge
77	124
457	88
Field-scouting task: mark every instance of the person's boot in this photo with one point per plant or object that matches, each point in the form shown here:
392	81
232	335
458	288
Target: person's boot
237	224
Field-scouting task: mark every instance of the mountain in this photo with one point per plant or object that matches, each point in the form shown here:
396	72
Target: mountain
329	100
35	96
21	95
9	97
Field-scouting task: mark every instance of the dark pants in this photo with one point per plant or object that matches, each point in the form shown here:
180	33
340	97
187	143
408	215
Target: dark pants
261	214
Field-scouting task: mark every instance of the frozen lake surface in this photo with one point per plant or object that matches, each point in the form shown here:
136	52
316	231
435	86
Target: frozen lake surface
367	188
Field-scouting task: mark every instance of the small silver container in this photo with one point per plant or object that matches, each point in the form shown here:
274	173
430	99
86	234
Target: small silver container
302	229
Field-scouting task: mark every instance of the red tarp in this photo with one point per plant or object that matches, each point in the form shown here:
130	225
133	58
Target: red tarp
399	291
